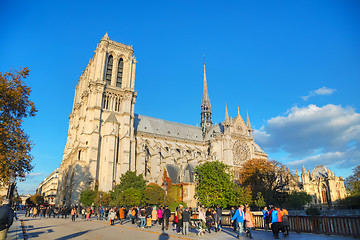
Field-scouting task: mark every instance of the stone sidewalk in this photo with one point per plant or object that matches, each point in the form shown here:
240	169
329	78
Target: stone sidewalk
59	227
15	231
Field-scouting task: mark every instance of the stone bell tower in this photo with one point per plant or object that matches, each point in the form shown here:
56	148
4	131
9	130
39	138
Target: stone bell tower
100	142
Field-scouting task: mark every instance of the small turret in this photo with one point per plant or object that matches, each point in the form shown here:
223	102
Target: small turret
303	170
227	120
305	176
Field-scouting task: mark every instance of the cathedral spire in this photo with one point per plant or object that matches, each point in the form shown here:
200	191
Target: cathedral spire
205	106
205	98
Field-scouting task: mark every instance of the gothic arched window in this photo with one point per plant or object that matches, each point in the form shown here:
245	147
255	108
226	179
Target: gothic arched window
120	73
109	67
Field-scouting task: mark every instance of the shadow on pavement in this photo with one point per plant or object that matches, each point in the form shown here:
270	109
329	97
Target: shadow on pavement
71	236
164	236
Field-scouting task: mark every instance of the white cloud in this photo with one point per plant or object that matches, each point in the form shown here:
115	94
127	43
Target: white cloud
320	91
32	175
312	135
345	159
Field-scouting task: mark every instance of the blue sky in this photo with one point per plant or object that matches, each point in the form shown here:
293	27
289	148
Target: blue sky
294	65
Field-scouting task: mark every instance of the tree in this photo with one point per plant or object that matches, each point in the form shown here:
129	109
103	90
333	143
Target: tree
130	197
214	186
239	195
15	105
37	199
153	194
88	196
102	199
298	199
128	180
353	182
260	202
267	177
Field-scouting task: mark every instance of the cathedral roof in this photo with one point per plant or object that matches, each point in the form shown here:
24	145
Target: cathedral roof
257	148
320	171
166	128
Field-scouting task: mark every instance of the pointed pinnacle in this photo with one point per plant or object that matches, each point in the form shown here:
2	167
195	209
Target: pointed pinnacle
248	120
226	114
106	36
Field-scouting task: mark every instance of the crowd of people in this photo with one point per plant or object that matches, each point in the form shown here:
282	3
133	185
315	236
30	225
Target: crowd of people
207	220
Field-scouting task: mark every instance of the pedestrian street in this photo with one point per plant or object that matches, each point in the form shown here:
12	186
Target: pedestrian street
61	229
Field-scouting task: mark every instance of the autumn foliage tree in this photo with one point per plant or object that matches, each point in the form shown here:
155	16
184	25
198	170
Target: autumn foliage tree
15	105
266	177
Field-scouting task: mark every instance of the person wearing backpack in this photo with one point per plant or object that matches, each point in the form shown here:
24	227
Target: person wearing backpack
6	218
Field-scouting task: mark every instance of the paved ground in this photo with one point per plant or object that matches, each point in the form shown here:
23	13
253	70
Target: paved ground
62	229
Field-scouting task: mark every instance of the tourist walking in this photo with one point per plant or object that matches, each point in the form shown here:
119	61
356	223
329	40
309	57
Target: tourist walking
202	218
232	212
239	217
166	216
122	214
160	215
112	215
73	214
6	218
179	214
285	221
102	213
209	219
133	215
250	222
35	211
218	218
185	221
265	213
142	216
154	216
275	223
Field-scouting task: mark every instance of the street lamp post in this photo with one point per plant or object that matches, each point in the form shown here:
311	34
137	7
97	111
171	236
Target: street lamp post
12	184
165	185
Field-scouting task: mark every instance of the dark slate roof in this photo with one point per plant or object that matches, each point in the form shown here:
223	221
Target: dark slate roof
166	128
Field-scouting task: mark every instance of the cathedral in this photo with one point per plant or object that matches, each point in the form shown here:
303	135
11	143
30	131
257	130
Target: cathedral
106	137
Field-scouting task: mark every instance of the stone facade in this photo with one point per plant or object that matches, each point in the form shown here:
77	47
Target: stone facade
106	138
323	185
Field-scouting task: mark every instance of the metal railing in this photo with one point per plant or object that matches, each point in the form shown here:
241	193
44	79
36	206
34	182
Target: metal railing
329	225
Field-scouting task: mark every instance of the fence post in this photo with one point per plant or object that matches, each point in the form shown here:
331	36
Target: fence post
326	225
297	224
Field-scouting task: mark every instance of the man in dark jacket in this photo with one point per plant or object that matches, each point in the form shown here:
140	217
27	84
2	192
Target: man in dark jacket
186	220
166	216
6	218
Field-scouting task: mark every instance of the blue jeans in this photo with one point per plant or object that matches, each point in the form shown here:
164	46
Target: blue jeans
219	224
240	226
143	222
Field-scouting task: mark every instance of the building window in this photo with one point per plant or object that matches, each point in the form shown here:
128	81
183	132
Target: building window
109	67
120	73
